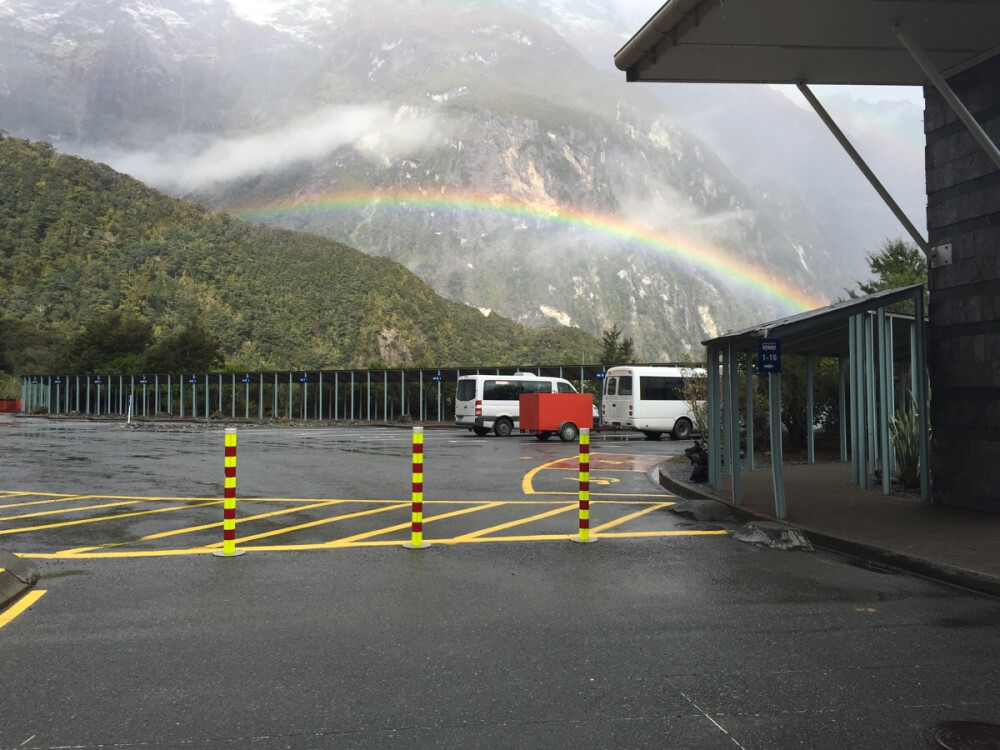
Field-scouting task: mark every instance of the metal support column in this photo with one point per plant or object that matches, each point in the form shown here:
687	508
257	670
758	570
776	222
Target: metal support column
810	413
712	438
748	407
777	461
842	402
883	410
734	425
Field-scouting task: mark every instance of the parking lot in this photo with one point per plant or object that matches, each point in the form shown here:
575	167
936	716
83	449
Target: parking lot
328	633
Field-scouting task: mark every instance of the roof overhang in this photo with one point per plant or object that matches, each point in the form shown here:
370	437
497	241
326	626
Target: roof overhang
822	332
811	41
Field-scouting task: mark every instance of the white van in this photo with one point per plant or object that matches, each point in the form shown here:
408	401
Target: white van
491	402
649	399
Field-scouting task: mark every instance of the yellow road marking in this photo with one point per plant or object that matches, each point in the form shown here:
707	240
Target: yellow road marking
399	527
511	524
202	527
48	501
274	532
20	606
630	516
106	518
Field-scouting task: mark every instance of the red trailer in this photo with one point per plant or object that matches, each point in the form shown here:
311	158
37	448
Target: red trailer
547	414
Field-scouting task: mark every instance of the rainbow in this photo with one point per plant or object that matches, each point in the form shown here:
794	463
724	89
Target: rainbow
725	266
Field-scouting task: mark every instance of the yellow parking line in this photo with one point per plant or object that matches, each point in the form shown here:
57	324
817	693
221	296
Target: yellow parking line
630	516
511	524
20	606
105	518
202	527
48	500
274	532
401	526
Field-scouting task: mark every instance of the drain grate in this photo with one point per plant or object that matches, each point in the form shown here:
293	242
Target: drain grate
964	735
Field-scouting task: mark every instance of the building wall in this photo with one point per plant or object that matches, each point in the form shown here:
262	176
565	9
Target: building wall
963	346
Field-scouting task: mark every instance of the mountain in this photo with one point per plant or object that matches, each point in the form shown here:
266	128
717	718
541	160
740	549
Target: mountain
479	143
80	240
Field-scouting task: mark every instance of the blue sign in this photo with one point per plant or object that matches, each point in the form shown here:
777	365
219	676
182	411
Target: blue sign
600	375
304	379
193	381
143	381
97	380
246	378
436	378
56	381
34	381
769	355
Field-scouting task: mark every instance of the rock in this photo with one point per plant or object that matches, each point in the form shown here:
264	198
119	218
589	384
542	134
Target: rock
701	510
772	534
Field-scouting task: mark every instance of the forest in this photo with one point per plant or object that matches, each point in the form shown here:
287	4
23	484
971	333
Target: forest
98	272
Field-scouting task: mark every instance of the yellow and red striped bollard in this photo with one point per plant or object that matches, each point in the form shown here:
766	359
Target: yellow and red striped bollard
584	533
229	501
417	494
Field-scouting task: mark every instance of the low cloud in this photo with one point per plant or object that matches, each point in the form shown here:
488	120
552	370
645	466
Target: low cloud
191	162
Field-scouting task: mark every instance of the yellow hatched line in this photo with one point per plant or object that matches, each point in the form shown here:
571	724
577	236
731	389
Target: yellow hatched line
630	516
344	544
49	501
98	519
511	524
191	529
398	527
241	540
20	606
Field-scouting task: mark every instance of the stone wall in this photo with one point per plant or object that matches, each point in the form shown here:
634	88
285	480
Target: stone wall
963	347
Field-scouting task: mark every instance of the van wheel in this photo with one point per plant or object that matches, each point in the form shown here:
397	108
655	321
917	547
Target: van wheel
503	427
682	429
544	435
481	431
651	435
568	432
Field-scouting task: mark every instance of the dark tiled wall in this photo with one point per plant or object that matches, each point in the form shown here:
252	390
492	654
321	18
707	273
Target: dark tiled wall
963	208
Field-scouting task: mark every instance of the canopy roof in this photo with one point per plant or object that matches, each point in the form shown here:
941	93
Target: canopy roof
812	41
822	332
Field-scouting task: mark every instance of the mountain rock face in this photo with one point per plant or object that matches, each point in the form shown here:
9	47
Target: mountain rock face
472	141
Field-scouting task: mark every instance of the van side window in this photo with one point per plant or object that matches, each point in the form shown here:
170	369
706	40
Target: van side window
566	388
611	386
501	390
652	388
466	390
625	386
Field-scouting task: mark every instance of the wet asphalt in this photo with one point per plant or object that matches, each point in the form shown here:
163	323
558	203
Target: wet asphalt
659	642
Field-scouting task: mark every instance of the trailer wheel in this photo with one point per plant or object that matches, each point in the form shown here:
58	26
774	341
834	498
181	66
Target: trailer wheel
503	427
544	435
568	432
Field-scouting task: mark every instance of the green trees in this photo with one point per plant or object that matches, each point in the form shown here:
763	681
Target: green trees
616	350
99	273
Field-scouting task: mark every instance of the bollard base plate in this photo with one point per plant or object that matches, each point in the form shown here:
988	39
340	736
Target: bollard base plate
578	540
411	545
236	553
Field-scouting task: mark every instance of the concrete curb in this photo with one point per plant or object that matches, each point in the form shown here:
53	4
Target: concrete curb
16	576
973	580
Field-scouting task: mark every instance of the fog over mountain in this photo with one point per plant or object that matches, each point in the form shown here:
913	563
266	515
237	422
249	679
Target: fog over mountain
489	146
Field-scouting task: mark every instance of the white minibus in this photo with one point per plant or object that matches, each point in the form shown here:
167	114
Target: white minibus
649	399
491	402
